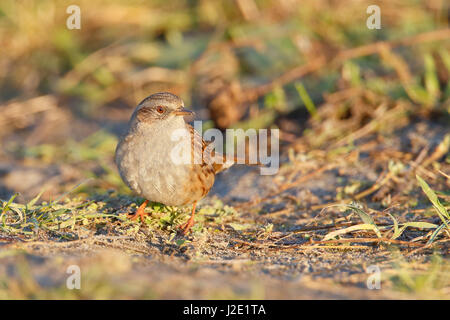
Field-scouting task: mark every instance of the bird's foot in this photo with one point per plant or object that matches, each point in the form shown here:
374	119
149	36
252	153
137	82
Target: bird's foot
140	213
185	228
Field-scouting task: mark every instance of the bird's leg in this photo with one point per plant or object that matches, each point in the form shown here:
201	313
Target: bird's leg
140	213
187	226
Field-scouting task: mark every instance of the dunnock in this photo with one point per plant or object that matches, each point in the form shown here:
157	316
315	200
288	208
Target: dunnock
150	156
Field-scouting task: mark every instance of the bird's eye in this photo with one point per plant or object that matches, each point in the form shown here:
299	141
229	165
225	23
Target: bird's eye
160	109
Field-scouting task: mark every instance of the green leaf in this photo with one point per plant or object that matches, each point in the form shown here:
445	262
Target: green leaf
419	224
276	100
431	78
418	94
363	215
364	226
351	72
68	223
445	58
442	212
396	230
424	225
239	226
6	206
435	233
309	104
35	199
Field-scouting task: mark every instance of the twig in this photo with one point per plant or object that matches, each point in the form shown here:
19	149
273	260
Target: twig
444	174
377	47
317	243
10	238
369	240
427	246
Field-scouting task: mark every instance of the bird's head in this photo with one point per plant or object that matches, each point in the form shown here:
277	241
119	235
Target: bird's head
160	106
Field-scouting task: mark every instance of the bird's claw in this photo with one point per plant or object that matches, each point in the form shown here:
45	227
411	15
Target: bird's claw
185	228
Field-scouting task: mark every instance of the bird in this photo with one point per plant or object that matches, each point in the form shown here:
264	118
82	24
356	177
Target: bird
164	159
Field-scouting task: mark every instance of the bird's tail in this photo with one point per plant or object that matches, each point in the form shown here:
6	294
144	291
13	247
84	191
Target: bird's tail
223	162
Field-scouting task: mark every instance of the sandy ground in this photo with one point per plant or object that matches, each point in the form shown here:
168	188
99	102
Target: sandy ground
221	263
266	249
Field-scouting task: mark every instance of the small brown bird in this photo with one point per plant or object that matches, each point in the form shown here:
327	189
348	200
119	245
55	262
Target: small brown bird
163	159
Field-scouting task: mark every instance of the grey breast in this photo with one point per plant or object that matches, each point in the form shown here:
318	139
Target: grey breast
149	162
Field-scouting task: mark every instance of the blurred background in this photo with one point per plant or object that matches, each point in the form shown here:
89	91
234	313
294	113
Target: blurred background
313	69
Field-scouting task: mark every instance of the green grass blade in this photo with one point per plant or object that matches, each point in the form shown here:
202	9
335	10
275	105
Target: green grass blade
396	229
35	199
431	78
364	226
363	215
435	233
309	104
421	225
442	212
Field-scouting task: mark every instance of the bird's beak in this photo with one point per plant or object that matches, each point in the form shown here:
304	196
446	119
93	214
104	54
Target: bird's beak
183	112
